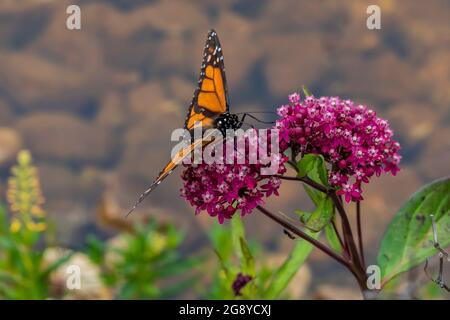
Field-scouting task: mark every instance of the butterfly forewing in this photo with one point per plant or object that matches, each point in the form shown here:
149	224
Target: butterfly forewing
211	97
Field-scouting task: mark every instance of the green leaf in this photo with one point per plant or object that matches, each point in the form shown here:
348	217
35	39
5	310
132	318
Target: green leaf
322	170
248	266
313	166
6	243
178	266
320	217
171	291
315	195
303	215
95	249
237	232
306	91
305	165
289	268
332	238
240	246
3	221
127	291
408	241
220	239
56	264
8	276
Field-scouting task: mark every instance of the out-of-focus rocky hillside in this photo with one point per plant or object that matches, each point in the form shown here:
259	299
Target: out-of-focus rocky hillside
96	107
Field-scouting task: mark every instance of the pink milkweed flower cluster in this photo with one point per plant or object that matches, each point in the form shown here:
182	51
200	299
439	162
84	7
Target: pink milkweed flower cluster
352	139
221	189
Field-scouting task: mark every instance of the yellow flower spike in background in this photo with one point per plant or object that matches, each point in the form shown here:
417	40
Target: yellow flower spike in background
158	242
36	226
24	195
22	249
15	225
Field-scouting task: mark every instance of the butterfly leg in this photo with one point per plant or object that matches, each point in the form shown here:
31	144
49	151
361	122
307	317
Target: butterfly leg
241	122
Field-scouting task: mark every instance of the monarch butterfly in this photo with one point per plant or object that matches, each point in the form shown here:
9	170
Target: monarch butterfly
209	107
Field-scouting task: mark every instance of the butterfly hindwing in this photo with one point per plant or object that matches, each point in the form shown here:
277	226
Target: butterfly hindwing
177	159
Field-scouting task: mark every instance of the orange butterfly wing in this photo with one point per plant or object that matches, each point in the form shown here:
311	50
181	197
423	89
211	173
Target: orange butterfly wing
173	163
210	100
211	97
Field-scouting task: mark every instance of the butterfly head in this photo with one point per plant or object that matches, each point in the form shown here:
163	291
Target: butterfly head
227	121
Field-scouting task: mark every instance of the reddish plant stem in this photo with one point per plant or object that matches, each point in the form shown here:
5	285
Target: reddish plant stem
344	248
348	234
360	239
360	276
306	180
356	264
349	241
292	228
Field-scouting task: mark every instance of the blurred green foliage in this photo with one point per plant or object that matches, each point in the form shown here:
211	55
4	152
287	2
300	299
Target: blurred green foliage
136	264
23	275
238	256
234	256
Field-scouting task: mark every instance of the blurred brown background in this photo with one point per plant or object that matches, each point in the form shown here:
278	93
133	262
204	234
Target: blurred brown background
96	106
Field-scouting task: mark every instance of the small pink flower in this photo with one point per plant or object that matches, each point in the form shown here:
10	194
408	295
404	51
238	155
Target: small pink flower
222	189
350	137
294	98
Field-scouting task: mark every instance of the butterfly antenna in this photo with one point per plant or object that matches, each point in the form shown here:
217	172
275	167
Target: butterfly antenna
249	125
256	112
265	122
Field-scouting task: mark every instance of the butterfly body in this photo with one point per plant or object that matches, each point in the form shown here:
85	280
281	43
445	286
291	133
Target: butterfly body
209	107
227	121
